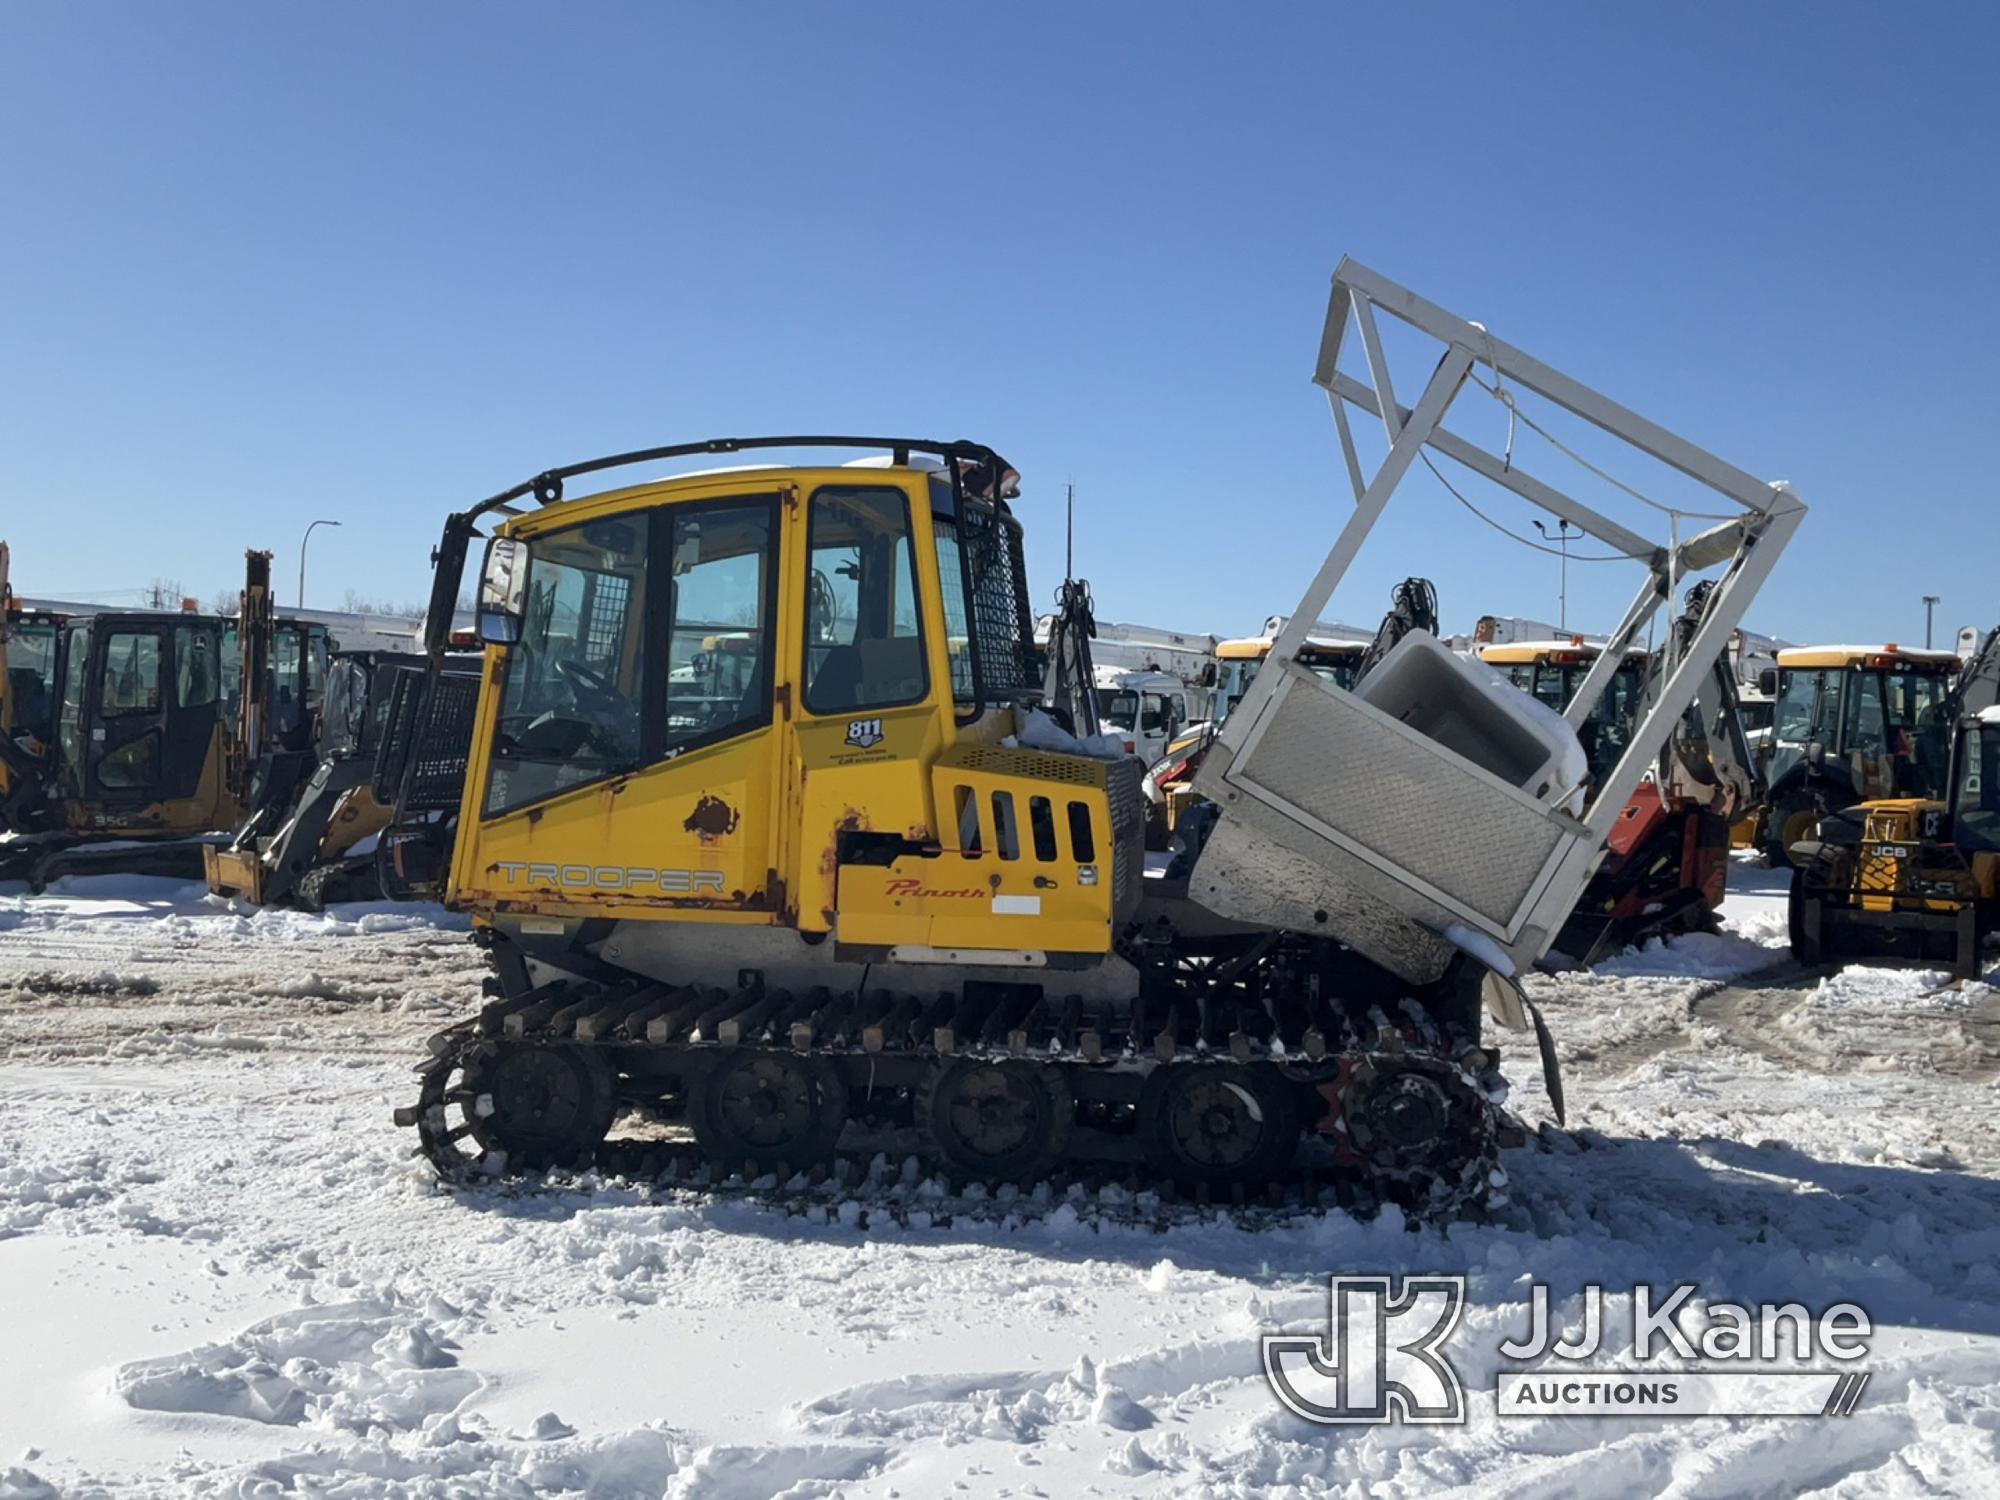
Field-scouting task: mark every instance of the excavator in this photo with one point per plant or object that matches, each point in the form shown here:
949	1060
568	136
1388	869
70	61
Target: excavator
880	893
1913	878
163	723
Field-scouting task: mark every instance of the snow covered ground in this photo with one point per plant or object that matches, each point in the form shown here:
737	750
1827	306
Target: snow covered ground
222	1274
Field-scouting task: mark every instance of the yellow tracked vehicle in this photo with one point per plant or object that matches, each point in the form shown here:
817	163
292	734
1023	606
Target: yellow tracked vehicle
849	884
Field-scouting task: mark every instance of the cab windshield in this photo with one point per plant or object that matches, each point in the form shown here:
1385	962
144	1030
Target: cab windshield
30	688
1338	670
1893	717
606	677
1118	707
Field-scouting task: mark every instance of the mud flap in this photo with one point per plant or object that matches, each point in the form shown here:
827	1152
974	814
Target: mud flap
1508	1003
1551	1069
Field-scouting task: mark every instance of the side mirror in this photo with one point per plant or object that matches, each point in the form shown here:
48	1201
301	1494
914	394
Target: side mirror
1767	682
503	592
1816	755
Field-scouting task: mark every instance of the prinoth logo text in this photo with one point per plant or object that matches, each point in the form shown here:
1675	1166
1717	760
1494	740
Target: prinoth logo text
930	892
613	877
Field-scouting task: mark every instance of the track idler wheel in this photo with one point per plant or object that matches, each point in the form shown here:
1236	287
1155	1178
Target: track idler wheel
769	1109
543	1106
1421	1131
999	1121
1210	1123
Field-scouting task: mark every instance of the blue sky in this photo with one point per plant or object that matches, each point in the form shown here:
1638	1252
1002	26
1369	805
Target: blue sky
265	263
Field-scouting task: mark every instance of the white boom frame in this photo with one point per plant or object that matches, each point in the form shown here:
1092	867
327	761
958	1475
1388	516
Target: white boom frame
1750	544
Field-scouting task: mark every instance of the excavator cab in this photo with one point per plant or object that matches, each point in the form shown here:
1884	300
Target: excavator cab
150	748
28	642
141	726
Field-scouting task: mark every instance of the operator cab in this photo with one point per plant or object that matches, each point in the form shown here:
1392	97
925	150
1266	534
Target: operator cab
1333	660
29	693
1147	708
1878	710
1975	785
782	691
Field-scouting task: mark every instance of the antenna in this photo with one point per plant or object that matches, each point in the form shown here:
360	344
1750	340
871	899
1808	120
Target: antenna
1069	535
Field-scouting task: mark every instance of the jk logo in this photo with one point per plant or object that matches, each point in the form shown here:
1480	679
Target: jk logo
1379	1360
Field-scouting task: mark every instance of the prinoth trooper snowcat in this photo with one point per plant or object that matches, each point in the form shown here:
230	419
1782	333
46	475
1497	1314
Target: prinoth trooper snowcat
774	842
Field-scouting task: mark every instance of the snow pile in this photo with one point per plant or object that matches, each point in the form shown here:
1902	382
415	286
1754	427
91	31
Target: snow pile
353	1366
1040	732
1862	987
1692	955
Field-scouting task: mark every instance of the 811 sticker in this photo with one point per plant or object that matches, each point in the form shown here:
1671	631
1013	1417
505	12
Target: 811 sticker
864	734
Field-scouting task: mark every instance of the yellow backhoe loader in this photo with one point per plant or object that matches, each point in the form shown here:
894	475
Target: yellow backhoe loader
1914	879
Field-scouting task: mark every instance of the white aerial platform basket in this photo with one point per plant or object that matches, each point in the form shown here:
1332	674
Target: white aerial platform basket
1427	802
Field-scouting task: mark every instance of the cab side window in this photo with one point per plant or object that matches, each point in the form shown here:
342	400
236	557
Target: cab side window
864	642
131	681
723	563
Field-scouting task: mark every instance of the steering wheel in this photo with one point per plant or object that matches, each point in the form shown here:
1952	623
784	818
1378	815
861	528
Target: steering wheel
594	691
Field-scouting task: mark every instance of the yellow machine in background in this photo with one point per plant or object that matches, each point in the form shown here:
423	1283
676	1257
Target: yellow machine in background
1852	724
1913	878
149	754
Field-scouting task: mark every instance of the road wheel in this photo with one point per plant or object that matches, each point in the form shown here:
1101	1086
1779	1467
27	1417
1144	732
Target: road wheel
543	1106
1000	1121
1210	1123
769	1110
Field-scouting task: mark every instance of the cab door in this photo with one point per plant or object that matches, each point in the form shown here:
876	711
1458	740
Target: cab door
151	712
125	758
871	676
628	754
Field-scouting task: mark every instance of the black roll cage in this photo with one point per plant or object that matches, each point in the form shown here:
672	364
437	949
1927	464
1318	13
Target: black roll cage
448	558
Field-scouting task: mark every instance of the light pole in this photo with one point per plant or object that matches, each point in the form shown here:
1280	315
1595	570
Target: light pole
1561	536
302	558
1931	602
